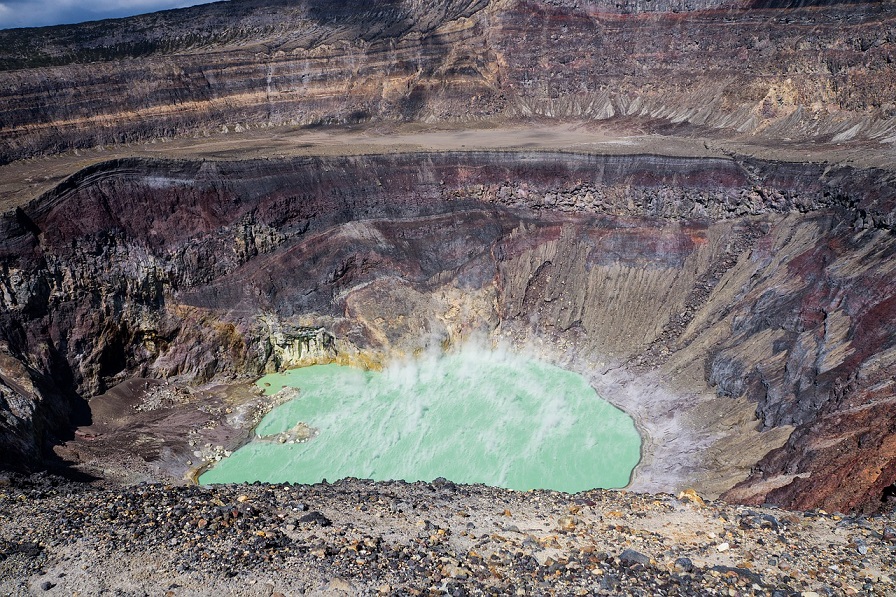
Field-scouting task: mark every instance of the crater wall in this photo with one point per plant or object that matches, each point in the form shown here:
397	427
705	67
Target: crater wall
739	310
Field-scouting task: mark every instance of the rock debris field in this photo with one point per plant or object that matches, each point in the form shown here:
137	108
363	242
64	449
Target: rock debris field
357	537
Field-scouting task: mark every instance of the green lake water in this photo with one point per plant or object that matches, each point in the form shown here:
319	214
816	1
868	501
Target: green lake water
472	417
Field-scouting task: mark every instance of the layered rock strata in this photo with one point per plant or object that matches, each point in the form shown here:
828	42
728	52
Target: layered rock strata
787	72
737	309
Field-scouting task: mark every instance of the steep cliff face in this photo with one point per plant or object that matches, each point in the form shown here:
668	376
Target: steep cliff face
773	72
692	292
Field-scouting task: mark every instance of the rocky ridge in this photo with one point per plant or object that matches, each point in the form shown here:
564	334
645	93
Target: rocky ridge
362	538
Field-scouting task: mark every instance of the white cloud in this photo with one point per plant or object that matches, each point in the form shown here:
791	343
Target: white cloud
35	13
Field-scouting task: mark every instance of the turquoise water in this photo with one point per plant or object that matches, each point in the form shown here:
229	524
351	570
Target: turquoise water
472	417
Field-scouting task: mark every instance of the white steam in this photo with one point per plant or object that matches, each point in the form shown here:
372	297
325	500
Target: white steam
477	414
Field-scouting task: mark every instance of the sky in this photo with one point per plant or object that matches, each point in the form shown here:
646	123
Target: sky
36	13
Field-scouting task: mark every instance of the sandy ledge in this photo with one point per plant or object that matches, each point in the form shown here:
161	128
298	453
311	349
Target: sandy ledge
23	180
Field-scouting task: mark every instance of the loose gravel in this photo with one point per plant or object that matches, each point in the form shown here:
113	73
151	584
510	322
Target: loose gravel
357	537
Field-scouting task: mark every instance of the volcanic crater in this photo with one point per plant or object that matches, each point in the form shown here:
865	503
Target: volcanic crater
691	204
717	301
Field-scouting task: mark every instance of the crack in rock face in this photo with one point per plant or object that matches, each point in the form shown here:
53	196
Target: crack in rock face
740	311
